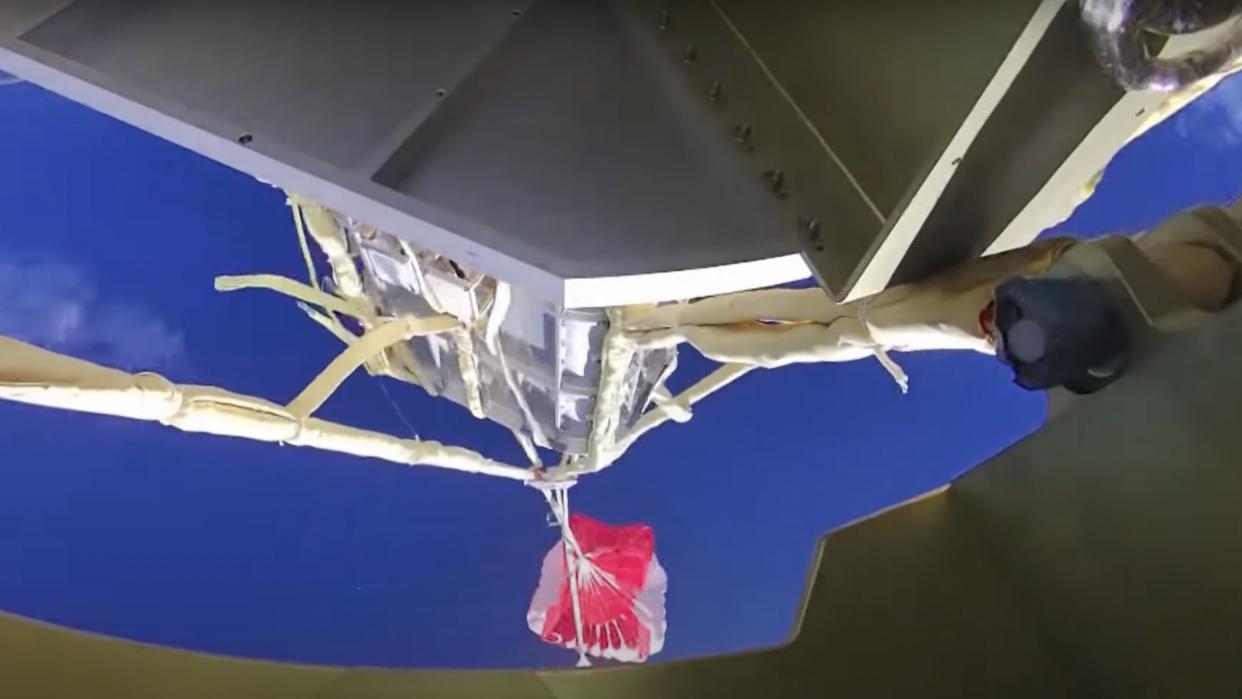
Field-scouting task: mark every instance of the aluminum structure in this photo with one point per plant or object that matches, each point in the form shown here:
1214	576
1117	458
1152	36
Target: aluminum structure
609	152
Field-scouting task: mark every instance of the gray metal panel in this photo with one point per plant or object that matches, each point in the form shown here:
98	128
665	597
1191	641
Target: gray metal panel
16	16
217	137
330	83
577	137
1034	129
886	82
570	142
855	108
281	90
748	111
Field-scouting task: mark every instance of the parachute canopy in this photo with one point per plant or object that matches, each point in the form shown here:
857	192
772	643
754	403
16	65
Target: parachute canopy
620	587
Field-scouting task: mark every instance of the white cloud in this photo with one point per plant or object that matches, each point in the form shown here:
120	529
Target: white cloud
55	304
1215	117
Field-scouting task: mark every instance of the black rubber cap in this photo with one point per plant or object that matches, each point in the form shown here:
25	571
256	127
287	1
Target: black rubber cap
1060	332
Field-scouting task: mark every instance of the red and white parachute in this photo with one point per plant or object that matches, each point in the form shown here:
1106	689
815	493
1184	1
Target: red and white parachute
612	606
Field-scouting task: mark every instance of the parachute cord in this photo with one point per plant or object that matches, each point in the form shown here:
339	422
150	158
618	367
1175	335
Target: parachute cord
558	500
881	353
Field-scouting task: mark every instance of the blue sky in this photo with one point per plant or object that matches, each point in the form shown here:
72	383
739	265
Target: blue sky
109	240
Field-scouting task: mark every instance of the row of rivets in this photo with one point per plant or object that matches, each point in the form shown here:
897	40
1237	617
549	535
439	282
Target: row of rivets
775	178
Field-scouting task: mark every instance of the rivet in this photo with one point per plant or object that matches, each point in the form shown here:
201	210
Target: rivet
776	180
716	91
810	226
742	133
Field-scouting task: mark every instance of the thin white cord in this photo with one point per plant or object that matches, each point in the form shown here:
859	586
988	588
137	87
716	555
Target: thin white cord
568	536
558	501
881	354
396	409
